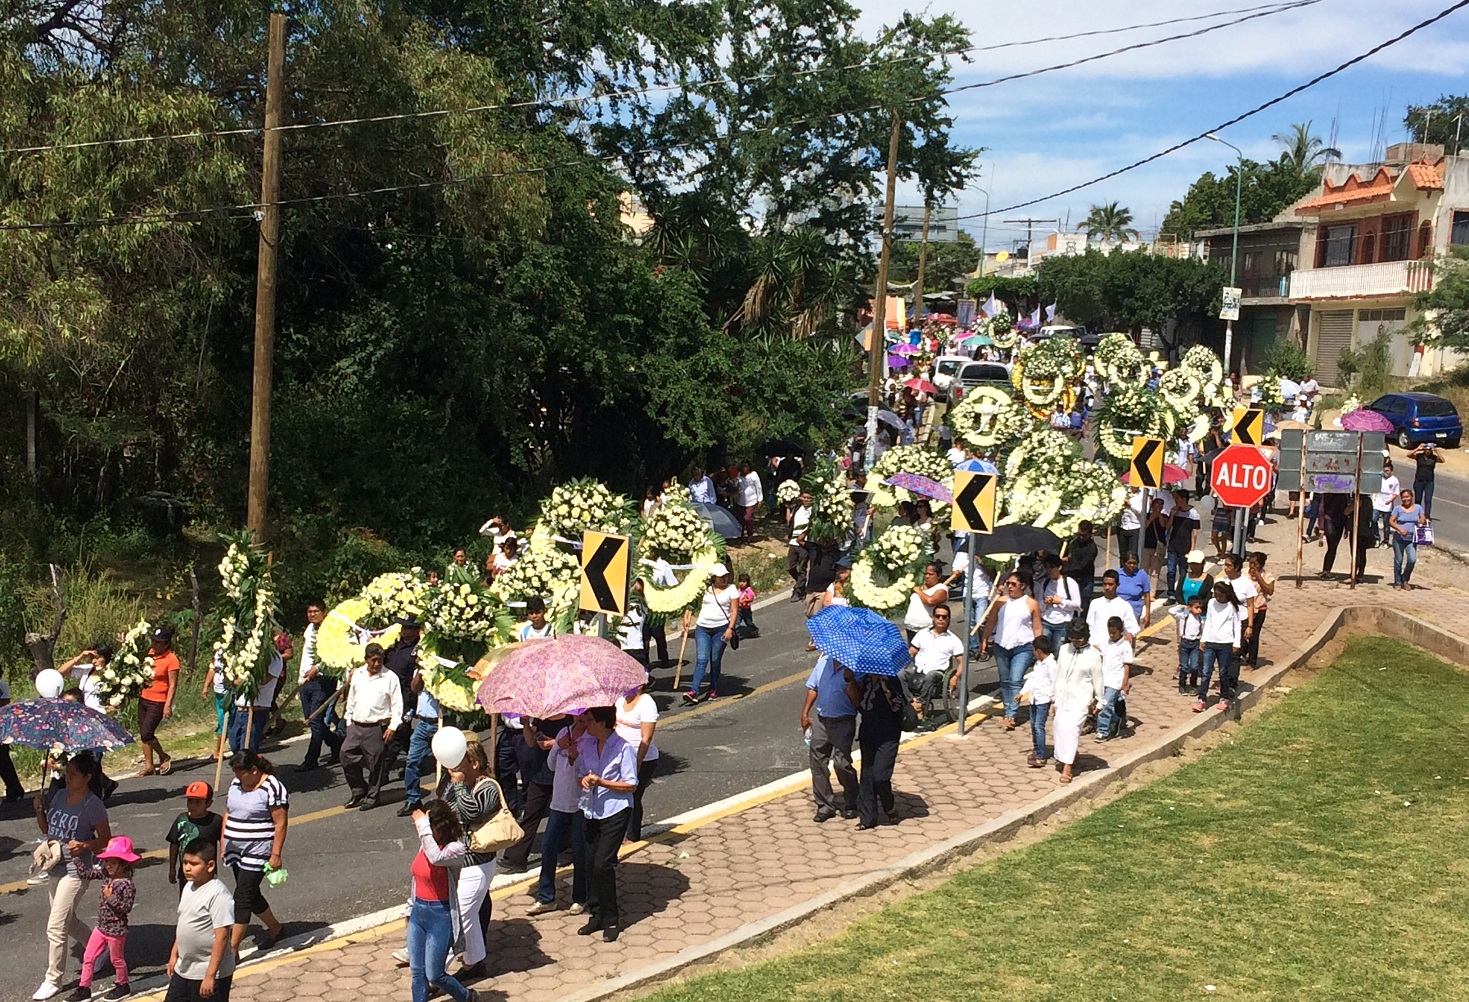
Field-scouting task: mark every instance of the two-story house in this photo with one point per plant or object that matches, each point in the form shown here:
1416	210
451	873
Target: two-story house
1372	234
1269	254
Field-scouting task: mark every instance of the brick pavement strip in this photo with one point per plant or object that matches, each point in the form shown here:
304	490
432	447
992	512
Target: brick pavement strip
726	883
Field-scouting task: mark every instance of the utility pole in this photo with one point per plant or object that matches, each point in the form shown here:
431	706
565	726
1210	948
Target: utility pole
1029	223
877	344
922	259
265	275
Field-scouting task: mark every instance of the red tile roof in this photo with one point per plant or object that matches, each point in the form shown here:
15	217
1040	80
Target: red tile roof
1353	191
1427	177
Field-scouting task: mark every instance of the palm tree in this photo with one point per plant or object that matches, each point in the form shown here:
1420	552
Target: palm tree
1109	222
1303	150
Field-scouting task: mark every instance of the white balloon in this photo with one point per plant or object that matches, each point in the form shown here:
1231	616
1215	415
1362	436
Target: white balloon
449	747
49	683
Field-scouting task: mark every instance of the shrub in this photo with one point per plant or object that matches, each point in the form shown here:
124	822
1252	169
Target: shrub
1288	360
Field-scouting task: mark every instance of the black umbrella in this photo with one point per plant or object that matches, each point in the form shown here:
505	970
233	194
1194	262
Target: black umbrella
781	447
1016	538
723	521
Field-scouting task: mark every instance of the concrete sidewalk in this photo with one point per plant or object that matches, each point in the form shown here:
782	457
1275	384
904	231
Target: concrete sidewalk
733	877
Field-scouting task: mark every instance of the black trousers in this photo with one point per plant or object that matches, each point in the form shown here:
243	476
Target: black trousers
646	772
604	838
537	802
13	787
183	990
1250	650
507	767
364	758
1333	540
875	787
656	635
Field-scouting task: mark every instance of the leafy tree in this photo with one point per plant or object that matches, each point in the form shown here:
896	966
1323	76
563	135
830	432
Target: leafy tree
1444	317
946	262
1439	122
1265	190
1011	290
1303	150
1109	222
1132	290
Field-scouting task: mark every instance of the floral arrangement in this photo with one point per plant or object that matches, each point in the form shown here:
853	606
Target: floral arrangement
131	668
466	612
580	505
1030	499
1350	404
1117	359
885	573
1203	361
1181	389
1130	409
916	459
788	492
676	531
670	599
1090	491
987	417
248	614
543	570
831	503
1045	453
341	638
449	681
1053	358
678	493
1271	398
1002	330
395	595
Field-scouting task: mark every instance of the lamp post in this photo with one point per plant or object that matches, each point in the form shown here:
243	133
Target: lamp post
984	230
1239	173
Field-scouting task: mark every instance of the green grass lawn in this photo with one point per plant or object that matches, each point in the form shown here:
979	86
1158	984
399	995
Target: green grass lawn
1323	853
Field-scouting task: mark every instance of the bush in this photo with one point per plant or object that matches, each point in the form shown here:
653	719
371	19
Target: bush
1367	366
1288	360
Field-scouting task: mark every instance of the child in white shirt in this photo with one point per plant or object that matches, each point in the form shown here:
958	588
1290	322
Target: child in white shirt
1039	688
1116	674
1190	620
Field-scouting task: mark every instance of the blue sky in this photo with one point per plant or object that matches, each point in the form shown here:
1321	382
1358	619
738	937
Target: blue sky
1057	129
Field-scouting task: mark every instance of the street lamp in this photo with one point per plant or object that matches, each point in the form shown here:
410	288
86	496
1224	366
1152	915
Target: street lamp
1239	173
984	231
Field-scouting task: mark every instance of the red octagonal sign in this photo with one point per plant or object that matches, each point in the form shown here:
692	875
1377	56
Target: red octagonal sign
1241	476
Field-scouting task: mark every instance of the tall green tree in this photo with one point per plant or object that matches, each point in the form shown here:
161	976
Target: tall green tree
946	261
1303	150
1265	190
1444	121
1109	223
1443	319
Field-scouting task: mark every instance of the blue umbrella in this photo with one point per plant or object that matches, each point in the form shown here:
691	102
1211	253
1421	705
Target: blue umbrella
978	466
723	521
860	639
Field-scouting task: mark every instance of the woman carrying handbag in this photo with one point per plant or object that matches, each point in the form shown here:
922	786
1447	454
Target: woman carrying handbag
477	801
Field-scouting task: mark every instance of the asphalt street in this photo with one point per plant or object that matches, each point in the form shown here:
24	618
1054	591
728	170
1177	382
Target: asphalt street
343	864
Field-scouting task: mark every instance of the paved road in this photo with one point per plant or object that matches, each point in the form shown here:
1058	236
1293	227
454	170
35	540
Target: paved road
345	864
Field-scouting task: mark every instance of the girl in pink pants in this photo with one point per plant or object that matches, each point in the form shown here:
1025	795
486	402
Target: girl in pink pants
115	869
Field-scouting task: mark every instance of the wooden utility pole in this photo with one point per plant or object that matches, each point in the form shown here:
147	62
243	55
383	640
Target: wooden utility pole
265	274
922	260
877	345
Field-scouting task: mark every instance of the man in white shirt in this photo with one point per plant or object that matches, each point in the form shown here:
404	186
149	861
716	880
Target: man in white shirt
933	651
1130	525
1383	501
798	520
748	494
374	713
701	488
1104	607
1309	388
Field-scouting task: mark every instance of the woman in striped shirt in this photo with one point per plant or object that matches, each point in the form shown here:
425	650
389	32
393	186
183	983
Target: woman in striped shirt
254	835
475	797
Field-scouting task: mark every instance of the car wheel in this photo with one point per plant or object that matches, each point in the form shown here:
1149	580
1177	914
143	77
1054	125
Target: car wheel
1403	440
1452	443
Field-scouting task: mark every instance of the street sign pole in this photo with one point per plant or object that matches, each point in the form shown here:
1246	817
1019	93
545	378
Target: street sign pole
1301	517
1142	529
1356	514
968	633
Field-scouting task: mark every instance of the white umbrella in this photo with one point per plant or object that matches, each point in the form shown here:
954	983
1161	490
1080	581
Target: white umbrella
1289	388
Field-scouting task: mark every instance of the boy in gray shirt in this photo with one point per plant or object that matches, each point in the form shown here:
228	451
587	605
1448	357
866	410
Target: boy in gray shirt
202	964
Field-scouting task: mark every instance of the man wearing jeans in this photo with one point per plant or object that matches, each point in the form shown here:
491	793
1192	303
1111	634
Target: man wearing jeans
1116	669
426	715
317	690
833	729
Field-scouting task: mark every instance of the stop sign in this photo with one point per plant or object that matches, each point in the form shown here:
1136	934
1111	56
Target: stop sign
1241	476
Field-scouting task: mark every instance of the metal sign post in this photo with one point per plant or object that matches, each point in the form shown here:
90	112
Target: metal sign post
973	512
968	614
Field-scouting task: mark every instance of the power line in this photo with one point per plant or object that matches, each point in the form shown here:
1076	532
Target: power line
1263	10
188	214
1233	121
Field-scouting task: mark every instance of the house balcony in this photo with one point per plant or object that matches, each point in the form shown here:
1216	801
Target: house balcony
1362	281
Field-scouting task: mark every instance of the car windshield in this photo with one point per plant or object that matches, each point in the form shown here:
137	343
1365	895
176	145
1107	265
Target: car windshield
948	365
1436	407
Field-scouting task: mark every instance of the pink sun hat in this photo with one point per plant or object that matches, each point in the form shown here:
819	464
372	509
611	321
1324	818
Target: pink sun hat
120	847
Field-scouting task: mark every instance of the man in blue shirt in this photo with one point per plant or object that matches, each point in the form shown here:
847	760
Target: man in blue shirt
833	729
426	724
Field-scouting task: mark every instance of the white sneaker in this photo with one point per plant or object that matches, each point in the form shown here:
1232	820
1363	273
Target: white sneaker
401	956
576	908
46	991
38	876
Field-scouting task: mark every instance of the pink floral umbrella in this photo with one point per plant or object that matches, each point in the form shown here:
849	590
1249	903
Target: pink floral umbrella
545	678
1362	419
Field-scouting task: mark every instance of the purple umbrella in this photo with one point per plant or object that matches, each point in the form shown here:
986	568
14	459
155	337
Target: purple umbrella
59	725
897	362
906	349
921	485
544	678
1362	419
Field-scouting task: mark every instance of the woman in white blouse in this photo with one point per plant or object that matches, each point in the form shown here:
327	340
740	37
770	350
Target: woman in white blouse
713	630
637	719
925	598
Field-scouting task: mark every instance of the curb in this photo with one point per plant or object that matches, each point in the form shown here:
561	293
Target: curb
1364	619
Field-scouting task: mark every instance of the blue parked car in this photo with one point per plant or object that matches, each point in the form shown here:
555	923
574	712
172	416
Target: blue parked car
1420	417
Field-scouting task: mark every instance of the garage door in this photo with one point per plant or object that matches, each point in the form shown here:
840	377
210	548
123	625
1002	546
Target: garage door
1333	333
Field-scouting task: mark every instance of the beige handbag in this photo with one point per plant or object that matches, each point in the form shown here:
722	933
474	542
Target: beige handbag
500	832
